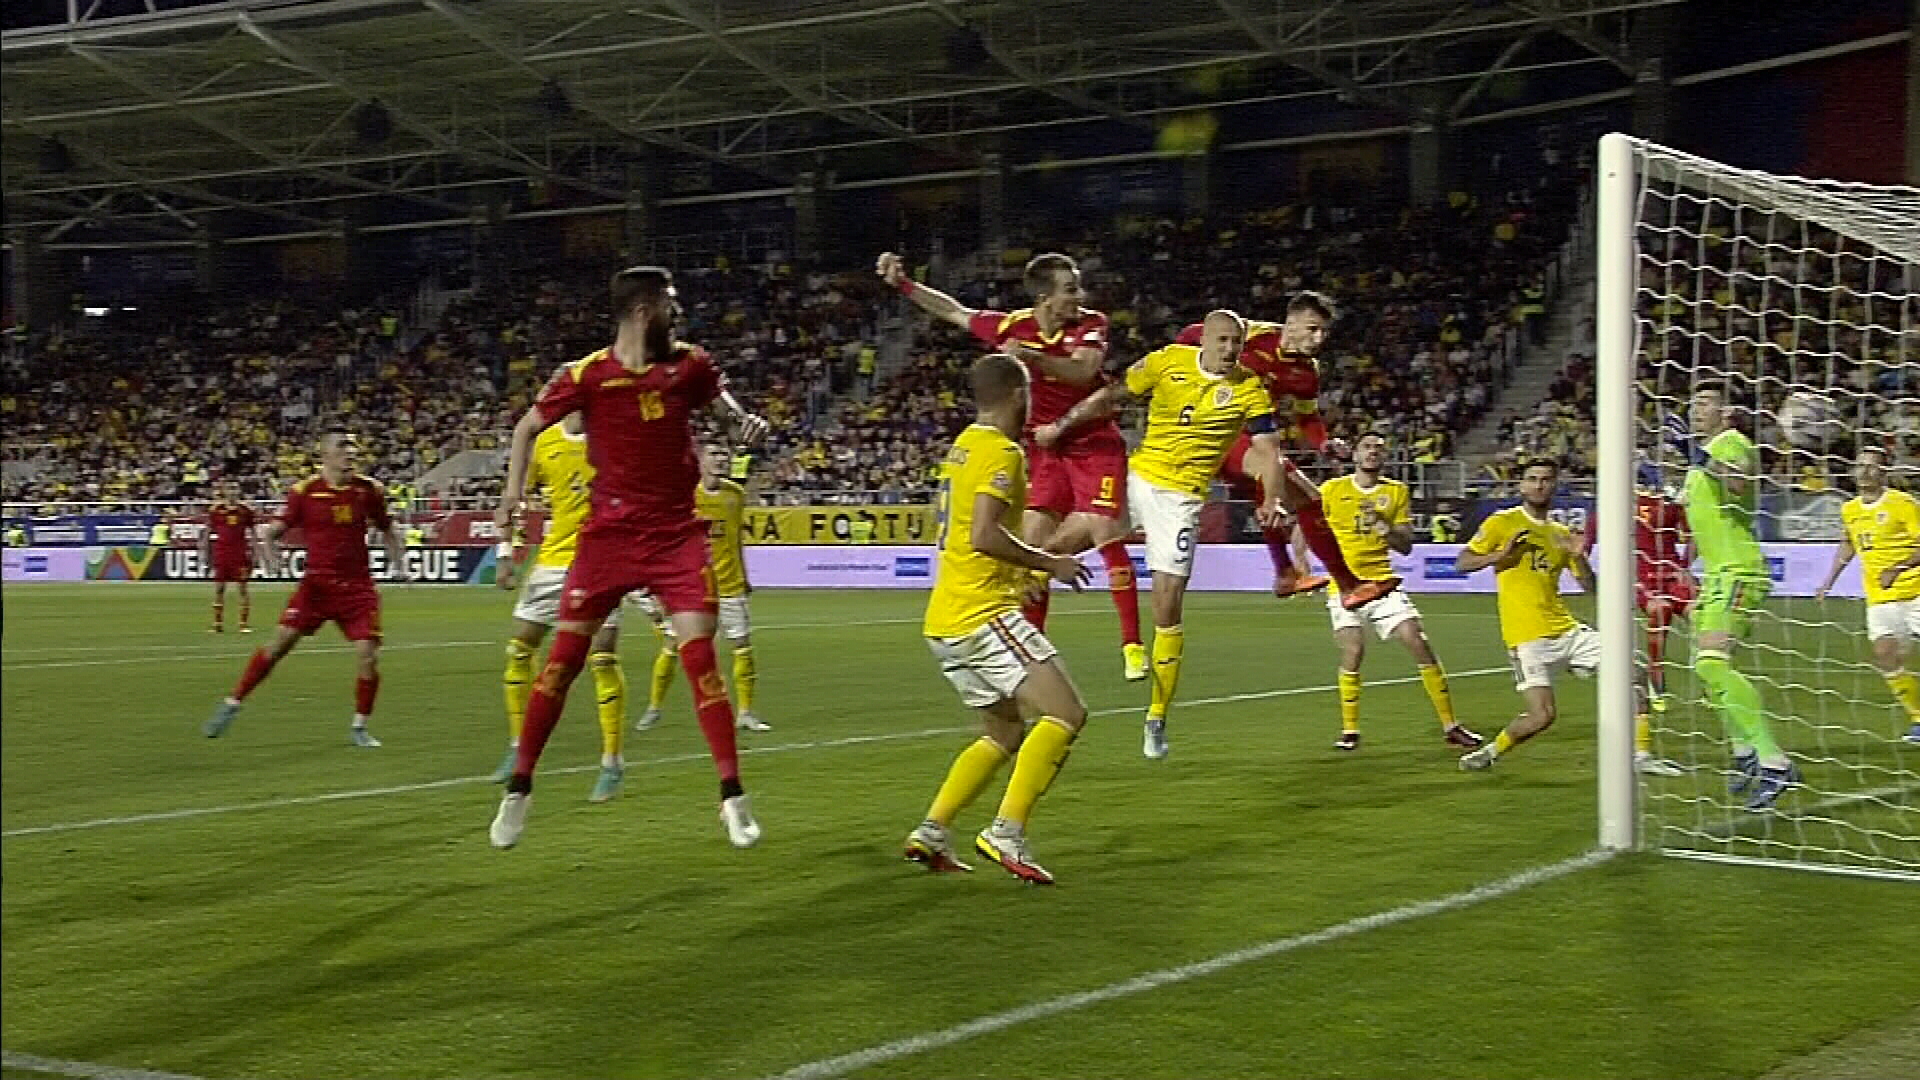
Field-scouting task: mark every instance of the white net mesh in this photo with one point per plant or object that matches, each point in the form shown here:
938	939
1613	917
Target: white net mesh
1767	286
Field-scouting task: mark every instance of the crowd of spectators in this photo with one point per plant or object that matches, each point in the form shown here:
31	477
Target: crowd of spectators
153	407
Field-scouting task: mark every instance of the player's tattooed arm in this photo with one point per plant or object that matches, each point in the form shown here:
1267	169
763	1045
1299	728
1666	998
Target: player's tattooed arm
748	428
893	270
1100	403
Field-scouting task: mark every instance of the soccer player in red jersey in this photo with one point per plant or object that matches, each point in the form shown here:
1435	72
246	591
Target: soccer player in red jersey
1077	498
1286	356
636	400
333	512
1663	589
226	545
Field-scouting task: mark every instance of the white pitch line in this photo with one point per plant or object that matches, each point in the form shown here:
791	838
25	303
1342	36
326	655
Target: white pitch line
827	1068
85	1070
817	744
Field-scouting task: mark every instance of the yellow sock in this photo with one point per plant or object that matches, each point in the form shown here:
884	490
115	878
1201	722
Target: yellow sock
1041	756
972	770
1169	644
1434	678
610	694
744	677
519	680
1642	734
664	665
1349	700
1906	690
1502	743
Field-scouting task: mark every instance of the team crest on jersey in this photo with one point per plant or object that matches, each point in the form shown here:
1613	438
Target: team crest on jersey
1222	397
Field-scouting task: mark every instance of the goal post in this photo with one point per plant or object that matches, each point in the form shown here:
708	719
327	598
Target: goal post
1768	286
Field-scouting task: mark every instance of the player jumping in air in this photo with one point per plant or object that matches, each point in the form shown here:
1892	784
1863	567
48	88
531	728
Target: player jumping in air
1201	400
333	512
636	400
559	470
722	504
1080	483
997	659
227	547
1286	357
1370	515
1721	497
1528	551
1883	525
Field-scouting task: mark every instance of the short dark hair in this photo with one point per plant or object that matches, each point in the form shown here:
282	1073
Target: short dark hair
1317	302
638	285
995	377
1717	389
1881	452
1541	461
1044	270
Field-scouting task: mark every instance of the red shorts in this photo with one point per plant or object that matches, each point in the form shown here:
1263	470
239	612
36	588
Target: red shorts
1677	590
239	569
612	562
1081	478
1241	484
354	604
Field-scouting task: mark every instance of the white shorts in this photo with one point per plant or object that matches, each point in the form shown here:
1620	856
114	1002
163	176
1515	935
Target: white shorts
540	597
1894	619
1385	615
988	665
1537	662
1171	520
736	622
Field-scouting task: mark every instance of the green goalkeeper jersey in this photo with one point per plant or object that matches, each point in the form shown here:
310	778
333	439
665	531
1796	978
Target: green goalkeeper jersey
1722	522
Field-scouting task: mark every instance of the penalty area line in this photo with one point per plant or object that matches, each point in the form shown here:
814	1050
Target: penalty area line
884	1053
675	759
85	1070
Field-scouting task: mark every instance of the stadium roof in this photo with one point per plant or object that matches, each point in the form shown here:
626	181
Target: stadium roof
253	117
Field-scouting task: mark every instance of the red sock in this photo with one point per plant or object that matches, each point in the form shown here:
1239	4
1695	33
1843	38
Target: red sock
1279	549
1320	539
1036	610
549	697
711	705
257	669
365	689
1125	590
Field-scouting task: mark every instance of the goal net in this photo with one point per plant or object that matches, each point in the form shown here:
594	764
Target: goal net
1772	288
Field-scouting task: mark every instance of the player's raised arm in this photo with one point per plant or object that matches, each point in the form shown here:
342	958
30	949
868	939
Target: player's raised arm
892	269
1842	555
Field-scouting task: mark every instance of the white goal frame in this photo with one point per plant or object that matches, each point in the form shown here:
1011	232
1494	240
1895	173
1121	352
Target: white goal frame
1624	163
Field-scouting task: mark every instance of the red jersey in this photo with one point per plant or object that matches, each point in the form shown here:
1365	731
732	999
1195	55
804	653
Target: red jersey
1659	535
639	427
231	526
334	522
1051	397
1287	375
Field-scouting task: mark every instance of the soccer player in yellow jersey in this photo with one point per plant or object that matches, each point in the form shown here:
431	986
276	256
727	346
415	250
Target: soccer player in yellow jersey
722	504
987	649
1528	551
559	471
1201	400
1369	515
1883	525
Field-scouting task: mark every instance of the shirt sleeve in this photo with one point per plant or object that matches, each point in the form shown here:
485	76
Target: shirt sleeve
1909	515
1094	335
1145	373
1401	512
1489	538
985	325
1000	473
702	379
563	394
377	513
296	502
1735	451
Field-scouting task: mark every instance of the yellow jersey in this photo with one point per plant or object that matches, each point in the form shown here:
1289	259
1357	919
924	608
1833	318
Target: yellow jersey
1355	512
1885	532
968	587
1194	417
1530	603
560	473
724	509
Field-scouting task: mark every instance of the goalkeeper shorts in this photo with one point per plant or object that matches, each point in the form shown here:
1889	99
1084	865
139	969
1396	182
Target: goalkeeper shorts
1727	604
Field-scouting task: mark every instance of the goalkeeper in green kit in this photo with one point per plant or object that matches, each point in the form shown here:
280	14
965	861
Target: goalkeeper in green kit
1721	497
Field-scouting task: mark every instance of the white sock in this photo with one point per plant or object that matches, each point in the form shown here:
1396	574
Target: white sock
359	720
612	761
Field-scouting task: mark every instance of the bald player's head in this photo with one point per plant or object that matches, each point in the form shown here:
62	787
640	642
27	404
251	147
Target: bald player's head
1222	333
